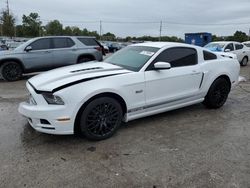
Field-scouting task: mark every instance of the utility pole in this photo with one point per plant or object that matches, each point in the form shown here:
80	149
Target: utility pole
8	8
160	30
100	29
249	34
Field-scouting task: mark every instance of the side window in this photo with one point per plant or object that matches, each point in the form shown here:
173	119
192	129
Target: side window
238	46
62	42
41	44
178	57
70	42
230	47
209	56
88	41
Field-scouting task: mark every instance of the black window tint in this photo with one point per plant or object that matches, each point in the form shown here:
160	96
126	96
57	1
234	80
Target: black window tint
178	57
70	42
230	47
88	41
209	56
41	44
238	46
62	43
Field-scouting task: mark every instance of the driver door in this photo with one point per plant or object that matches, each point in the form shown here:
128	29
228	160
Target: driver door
180	82
40	57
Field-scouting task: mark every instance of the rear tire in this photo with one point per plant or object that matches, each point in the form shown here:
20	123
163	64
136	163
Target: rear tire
84	59
217	94
244	62
11	71
101	118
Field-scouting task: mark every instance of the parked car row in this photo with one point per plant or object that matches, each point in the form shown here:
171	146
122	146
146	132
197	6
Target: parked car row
240	50
45	53
113	46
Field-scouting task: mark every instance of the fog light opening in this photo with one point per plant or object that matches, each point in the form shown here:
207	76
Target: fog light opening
45	122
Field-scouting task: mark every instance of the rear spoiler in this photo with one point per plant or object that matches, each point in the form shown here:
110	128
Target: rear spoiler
227	55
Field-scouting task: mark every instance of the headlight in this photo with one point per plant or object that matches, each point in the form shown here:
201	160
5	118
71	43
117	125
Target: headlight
53	99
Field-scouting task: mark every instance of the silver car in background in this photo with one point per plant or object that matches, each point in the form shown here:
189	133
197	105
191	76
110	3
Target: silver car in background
45	53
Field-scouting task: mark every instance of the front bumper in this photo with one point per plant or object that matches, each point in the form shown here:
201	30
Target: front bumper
48	119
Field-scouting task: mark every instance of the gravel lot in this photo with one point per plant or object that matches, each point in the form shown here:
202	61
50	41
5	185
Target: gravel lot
190	147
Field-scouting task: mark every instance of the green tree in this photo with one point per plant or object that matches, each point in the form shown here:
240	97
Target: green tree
109	36
32	25
54	28
240	36
76	31
7	24
19	31
67	31
94	34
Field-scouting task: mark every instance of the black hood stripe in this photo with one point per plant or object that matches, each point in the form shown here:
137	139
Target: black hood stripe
95	69
84	80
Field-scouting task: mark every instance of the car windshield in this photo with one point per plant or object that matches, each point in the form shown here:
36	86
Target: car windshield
247	44
23	45
215	46
132	57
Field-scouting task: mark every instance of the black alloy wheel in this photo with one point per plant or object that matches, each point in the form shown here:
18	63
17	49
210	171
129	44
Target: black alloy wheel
217	94
11	71
101	118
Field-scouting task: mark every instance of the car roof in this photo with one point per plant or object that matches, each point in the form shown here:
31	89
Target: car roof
90	37
163	44
224	42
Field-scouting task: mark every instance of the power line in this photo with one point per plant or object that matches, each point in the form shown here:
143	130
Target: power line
150	22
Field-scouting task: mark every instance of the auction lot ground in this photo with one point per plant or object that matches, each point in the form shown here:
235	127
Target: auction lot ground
190	147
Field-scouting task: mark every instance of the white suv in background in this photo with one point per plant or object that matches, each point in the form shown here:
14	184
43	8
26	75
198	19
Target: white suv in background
247	44
242	52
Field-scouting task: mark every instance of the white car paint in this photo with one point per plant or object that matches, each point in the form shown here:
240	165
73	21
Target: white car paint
246	43
241	52
144	92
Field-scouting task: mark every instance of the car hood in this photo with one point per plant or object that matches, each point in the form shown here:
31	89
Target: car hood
60	78
6	52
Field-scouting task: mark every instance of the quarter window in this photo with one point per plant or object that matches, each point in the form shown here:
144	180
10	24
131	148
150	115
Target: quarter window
238	46
88	41
209	56
41	44
63	43
177	57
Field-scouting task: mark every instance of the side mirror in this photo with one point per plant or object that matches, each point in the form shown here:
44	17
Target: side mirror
28	48
227	50
162	66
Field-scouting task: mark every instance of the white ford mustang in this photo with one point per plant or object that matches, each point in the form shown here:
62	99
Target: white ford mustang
138	81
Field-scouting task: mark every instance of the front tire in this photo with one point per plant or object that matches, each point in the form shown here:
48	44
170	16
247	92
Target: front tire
217	94
244	61
11	71
101	118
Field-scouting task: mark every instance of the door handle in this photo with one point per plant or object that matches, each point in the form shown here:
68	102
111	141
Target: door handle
194	72
47	52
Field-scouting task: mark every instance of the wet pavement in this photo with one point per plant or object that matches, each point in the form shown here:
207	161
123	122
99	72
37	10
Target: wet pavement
189	147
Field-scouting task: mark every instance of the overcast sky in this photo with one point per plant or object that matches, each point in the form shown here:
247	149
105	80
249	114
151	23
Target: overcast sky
221	17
